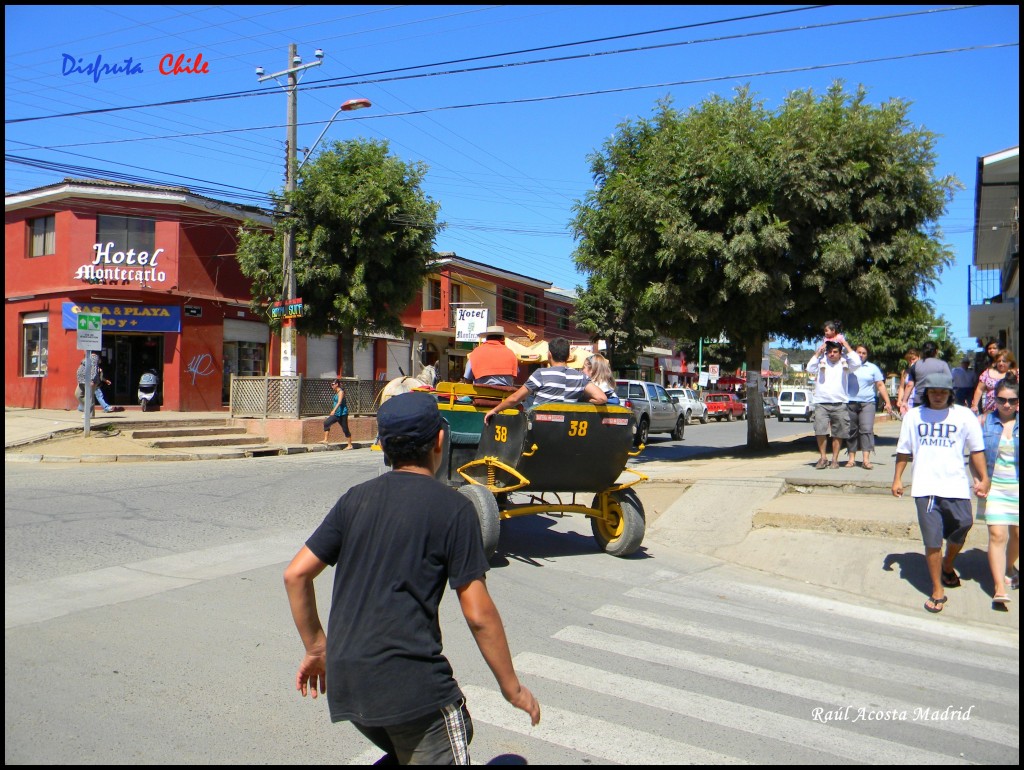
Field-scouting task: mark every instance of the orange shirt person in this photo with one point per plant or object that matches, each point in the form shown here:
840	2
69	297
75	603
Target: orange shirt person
492	363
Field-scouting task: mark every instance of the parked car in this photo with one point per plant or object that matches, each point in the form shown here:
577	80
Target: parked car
794	403
724	406
690	403
654	409
769	404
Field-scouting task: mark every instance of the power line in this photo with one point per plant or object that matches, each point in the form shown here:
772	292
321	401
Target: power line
600	92
348	80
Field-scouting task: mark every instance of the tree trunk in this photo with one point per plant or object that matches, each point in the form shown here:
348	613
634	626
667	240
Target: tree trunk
757	431
348	355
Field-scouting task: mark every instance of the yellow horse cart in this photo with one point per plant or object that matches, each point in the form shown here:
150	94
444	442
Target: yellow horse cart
543	460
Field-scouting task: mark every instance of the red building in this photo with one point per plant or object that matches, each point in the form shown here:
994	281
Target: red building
157	262
525	307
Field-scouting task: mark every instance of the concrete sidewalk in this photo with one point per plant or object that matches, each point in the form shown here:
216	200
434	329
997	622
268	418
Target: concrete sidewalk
837	529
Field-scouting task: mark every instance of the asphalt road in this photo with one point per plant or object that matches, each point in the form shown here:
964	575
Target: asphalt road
146	622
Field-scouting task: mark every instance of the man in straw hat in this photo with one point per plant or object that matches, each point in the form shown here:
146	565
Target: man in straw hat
492	362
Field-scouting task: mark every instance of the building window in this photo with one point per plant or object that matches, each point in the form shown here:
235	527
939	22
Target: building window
41	240
433	298
530	309
563	318
509	305
126	233
35	341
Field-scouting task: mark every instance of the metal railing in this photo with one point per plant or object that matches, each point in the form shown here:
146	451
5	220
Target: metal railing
295	397
986	284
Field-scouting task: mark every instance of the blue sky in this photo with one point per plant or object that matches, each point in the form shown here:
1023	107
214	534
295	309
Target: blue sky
506	144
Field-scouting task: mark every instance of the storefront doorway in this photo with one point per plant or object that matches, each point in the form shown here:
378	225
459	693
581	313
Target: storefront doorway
124	359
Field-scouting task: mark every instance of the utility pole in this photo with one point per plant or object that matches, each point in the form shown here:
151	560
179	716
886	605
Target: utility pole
295	66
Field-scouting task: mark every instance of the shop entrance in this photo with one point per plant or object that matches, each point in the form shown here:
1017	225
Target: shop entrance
124	358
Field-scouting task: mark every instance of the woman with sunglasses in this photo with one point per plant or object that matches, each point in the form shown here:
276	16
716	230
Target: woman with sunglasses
988	381
1000	510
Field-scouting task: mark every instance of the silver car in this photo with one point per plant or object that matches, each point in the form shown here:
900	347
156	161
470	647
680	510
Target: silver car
690	403
653	407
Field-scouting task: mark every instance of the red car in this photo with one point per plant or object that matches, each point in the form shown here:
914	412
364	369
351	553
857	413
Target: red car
724	406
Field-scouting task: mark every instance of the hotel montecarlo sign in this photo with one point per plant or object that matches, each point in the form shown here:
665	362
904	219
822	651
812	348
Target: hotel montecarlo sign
122	267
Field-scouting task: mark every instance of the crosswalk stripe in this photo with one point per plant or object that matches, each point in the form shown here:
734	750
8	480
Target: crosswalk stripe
934	650
959	632
914	677
609	741
819	736
827	694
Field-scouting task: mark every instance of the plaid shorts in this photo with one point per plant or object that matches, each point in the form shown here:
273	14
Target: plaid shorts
439	738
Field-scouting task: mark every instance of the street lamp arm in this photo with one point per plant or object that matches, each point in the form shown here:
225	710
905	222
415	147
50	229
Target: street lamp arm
351	104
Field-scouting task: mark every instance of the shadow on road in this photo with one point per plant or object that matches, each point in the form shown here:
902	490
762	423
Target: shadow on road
530	540
971	564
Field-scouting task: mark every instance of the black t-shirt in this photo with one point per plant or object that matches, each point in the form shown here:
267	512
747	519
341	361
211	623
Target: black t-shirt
395	540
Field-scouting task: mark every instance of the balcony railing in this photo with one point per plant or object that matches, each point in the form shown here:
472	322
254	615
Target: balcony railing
986	285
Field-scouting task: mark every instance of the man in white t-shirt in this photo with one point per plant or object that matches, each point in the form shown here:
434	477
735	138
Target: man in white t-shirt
829	368
935	435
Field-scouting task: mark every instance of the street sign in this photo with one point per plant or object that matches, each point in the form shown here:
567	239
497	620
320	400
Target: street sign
713	370
937	333
90	331
287	309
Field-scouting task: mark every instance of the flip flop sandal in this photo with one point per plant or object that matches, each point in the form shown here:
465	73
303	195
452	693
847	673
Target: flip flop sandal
867	466
1001	599
950	579
821	464
936	604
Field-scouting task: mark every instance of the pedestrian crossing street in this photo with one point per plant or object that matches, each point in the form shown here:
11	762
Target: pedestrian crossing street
697	670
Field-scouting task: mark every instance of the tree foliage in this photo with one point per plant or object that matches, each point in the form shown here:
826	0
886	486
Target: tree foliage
733	218
890	337
364	233
601	313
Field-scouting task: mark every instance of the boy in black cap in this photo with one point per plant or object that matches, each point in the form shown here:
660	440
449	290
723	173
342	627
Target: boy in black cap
395	541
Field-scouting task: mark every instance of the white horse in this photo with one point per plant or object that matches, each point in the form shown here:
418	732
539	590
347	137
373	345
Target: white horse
426	378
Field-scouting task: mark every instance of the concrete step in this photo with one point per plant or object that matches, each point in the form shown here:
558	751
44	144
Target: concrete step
851	514
223	430
211	441
847	515
823	485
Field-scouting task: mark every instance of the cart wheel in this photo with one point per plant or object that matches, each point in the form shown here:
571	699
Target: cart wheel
487	512
626	535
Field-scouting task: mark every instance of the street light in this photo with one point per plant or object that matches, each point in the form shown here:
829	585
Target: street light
349	106
291	87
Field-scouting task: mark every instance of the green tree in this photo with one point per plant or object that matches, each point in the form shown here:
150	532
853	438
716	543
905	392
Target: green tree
364	235
890	337
733	218
601	313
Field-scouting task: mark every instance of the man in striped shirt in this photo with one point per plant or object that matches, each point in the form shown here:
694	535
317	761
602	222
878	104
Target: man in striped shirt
554	383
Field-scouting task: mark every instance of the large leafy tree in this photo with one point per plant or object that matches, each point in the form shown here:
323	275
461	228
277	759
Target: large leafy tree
364	234
733	218
890	337
601	313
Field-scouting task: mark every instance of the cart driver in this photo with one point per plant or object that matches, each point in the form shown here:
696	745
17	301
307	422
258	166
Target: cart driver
492	362
555	383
